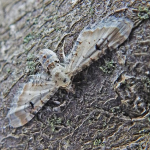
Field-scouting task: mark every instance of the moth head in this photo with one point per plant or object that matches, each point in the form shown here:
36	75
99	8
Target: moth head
48	59
60	77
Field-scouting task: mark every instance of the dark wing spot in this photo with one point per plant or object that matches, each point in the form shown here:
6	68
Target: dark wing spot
42	102
44	56
56	61
32	105
97	47
64	80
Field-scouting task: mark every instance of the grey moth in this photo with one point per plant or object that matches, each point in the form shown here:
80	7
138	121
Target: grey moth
90	45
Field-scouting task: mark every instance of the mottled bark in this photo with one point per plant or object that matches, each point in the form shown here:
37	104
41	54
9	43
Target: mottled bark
110	108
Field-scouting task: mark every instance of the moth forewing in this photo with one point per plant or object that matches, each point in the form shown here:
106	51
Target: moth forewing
109	33
30	101
19	116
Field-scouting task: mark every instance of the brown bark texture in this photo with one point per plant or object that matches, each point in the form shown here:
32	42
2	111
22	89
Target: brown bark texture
110	107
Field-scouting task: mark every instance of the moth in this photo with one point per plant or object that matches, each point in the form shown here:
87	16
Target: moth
90	45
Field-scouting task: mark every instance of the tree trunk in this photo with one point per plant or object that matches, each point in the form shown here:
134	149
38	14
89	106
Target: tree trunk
110	107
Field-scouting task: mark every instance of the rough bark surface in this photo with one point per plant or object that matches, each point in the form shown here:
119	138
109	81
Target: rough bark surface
110	107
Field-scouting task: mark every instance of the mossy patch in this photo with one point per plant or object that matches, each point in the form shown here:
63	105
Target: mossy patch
143	13
28	38
108	67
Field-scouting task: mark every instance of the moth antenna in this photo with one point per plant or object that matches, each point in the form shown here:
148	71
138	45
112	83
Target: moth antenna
62	53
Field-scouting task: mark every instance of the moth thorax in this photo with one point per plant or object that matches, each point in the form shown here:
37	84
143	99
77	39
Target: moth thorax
48	59
59	76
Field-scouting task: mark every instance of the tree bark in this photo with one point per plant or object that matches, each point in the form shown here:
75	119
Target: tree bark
110	108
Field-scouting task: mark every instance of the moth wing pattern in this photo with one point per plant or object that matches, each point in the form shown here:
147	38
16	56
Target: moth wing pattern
94	40
33	96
